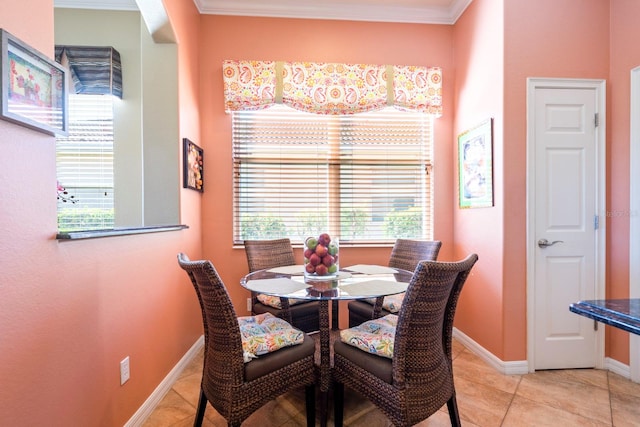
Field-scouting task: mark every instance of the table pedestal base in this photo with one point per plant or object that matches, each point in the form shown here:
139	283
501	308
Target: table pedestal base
324	354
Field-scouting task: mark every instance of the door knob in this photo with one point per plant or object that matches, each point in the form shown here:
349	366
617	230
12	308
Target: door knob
543	243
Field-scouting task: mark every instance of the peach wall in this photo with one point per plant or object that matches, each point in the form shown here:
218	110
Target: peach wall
624	56
321	41
70	311
478	46
542	39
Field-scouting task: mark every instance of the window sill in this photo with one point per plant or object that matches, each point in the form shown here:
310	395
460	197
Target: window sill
94	234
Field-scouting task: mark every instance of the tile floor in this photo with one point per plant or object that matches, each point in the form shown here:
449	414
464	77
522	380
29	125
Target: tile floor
486	398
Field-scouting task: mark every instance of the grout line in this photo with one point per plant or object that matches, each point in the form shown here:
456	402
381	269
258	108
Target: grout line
610	400
513	396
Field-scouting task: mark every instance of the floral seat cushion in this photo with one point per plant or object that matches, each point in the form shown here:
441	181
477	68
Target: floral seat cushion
391	303
266	333
273	301
374	336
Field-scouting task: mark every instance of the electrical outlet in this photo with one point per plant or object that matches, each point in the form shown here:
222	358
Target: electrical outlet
248	304
124	370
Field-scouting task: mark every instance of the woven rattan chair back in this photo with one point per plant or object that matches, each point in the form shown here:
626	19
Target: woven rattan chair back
263	254
406	253
224	382
421	368
425	322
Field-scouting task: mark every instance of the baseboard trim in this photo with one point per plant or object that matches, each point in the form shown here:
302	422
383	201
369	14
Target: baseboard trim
617	367
522	367
508	368
163	388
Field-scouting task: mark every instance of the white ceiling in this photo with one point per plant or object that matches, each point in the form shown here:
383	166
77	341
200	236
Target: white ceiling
407	11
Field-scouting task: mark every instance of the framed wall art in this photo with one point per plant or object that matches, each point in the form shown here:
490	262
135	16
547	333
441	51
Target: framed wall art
33	89
193	166
475	166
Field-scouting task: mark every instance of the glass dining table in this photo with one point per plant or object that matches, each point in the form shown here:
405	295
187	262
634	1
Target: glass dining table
355	282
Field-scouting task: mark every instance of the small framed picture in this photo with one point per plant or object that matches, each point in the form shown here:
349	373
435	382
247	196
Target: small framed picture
475	168
193	166
34	88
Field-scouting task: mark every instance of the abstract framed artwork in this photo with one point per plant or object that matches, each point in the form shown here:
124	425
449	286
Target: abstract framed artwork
475	166
193	166
34	88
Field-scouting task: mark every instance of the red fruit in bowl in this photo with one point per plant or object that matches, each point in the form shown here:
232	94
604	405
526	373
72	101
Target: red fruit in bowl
324	239
314	259
328	260
321	269
307	253
310	268
321	250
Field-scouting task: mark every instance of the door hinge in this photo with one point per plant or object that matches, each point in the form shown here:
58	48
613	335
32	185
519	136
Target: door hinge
596	222
597	120
595	325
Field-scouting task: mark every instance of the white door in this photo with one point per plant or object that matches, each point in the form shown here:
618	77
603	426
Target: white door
565	221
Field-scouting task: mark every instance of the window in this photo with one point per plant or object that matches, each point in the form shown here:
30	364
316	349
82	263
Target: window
85	165
145	165
362	177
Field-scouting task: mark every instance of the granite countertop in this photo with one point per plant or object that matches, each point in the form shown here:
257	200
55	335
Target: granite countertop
619	313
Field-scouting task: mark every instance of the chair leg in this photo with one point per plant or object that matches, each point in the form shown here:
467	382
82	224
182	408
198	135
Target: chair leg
202	406
338	403
310	398
454	415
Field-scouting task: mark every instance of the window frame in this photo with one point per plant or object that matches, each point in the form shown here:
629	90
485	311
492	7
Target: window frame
334	165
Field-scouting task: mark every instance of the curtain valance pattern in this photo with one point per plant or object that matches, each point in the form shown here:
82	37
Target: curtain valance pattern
330	88
94	70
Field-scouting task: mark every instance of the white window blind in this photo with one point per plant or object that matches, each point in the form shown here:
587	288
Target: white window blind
363	177
85	165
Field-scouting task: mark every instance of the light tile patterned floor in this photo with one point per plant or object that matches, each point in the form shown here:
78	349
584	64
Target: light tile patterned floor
486	398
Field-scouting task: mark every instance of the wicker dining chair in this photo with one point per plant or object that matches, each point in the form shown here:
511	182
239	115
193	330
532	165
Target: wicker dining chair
263	254
234	388
418	379
405	255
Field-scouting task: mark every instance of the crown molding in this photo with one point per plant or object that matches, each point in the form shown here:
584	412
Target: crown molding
343	10
352	10
100	4
457	9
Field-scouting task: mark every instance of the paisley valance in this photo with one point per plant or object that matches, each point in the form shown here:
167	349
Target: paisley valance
331	88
